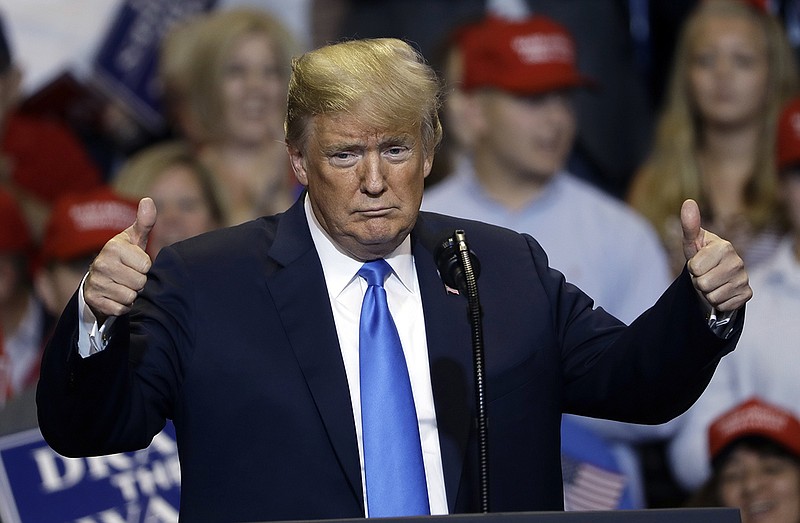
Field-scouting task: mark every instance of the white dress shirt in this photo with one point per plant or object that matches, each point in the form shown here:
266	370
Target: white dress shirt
346	292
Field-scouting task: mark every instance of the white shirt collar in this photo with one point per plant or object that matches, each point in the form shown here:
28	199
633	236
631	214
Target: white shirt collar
340	269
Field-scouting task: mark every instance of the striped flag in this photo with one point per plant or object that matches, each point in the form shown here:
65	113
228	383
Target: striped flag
589	487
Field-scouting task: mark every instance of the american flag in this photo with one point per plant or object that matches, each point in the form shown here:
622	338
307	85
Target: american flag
589	487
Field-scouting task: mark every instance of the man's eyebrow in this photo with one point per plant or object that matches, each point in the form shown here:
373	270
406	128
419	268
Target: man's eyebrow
340	146
399	138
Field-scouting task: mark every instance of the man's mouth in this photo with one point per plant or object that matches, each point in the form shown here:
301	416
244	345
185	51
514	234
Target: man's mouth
375	213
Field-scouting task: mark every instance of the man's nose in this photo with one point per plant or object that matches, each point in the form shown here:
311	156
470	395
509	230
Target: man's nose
372	177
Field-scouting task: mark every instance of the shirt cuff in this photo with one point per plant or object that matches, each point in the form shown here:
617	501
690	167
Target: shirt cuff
721	323
92	338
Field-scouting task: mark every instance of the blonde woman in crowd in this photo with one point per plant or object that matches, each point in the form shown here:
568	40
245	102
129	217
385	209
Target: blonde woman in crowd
766	359
183	190
225	78
715	140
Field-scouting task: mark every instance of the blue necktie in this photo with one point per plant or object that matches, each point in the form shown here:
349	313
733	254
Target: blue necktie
395	475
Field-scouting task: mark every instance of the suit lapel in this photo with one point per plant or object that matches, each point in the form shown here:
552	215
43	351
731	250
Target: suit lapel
300	294
450	354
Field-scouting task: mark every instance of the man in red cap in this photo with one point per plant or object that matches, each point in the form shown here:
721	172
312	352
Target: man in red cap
516	89
79	226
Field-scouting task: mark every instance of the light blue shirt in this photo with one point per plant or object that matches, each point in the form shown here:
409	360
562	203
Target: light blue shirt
599	243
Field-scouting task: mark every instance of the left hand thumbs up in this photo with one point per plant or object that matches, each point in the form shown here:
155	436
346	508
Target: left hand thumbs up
718	273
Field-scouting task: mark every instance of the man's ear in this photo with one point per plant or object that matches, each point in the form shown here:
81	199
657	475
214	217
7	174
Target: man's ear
298	164
428	165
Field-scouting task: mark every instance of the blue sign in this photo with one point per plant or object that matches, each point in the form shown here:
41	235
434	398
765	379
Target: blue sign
126	65
39	485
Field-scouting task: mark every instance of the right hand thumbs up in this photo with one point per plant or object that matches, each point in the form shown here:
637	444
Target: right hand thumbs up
120	270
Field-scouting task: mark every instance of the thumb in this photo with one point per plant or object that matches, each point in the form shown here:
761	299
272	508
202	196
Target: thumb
693	234
145	219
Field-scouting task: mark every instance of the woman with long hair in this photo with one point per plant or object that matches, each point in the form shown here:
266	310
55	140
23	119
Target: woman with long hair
225	78
733	71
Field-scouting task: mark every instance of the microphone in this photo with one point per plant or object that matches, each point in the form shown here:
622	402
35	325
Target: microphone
459	269
446	255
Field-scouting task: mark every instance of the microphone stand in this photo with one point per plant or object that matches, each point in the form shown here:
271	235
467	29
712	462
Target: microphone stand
463	276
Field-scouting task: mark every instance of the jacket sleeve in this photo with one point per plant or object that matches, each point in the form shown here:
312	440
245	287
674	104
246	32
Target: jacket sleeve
116	400
649	372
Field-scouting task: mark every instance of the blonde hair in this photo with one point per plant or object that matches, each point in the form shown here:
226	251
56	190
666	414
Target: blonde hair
138	174
174	65
194	55
671	173
383	81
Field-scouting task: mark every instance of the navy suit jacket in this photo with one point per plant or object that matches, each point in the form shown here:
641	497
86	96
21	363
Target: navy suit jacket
233	339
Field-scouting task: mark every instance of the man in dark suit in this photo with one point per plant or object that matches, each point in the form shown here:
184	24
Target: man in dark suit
248	338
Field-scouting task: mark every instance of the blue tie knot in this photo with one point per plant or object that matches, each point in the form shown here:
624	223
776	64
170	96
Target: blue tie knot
375	272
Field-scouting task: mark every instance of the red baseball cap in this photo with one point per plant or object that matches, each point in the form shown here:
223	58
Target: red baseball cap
754	417
788	139
80	224
528	57
15	235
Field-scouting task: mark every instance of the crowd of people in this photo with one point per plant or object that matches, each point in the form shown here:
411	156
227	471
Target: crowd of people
534	132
